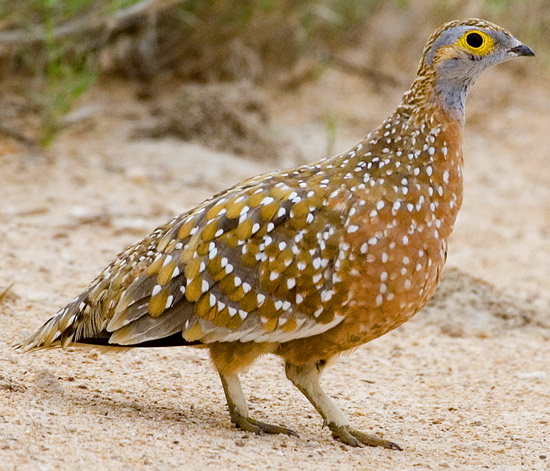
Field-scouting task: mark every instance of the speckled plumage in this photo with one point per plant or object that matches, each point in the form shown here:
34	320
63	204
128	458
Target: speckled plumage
309	262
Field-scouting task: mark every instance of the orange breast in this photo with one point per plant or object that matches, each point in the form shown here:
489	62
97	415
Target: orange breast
395	246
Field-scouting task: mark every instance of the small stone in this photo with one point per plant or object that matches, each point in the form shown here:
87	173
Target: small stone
533	375
475	445
45	381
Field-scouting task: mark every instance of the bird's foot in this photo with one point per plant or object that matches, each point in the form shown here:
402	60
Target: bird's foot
258	427
349	436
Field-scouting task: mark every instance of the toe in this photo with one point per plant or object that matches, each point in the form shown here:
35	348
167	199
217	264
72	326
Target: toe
355	438
374	440
270	428
343	435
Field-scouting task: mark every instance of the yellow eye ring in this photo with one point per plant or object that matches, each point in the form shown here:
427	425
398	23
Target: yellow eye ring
476	42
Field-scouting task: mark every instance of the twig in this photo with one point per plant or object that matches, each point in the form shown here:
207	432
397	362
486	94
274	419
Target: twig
120	20
17	136
373	75
4	293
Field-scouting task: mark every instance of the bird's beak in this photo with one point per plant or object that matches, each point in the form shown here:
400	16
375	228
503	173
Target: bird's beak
522	50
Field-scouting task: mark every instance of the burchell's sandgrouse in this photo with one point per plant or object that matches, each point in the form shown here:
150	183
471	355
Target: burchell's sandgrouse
309	262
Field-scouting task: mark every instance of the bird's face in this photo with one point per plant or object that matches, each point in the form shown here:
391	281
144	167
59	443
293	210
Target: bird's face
461	50
454	57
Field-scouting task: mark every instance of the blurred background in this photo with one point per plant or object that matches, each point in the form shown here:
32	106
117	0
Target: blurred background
54	52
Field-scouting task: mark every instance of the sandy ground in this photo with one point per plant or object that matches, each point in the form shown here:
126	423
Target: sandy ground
464	385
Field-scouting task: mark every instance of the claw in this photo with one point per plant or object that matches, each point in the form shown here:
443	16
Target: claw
258	427
355	438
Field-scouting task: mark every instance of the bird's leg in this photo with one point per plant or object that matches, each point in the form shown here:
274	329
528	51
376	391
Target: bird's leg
238	409
306	379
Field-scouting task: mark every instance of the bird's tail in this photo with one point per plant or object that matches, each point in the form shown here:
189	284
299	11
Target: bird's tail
74	321
81	323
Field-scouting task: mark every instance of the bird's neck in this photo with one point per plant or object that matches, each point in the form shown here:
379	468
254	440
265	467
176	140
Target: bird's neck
430	93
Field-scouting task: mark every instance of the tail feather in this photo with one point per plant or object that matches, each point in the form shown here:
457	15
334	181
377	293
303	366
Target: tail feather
79	323
72	322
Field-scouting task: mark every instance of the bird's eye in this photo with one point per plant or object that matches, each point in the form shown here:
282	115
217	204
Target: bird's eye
474	40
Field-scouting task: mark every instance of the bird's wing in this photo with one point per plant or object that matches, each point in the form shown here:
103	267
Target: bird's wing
253	264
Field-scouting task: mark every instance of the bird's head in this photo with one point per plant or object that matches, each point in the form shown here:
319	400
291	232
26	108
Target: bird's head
458	52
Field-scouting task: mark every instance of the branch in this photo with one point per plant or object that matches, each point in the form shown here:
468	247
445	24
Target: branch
373	75
117	21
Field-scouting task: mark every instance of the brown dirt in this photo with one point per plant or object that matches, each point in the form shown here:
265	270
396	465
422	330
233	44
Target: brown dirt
464	385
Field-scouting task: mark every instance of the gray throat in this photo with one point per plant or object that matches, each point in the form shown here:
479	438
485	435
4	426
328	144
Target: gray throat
452	97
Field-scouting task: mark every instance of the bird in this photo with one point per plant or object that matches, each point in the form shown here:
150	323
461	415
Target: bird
304	263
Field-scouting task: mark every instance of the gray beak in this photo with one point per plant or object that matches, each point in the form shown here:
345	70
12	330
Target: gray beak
522	50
